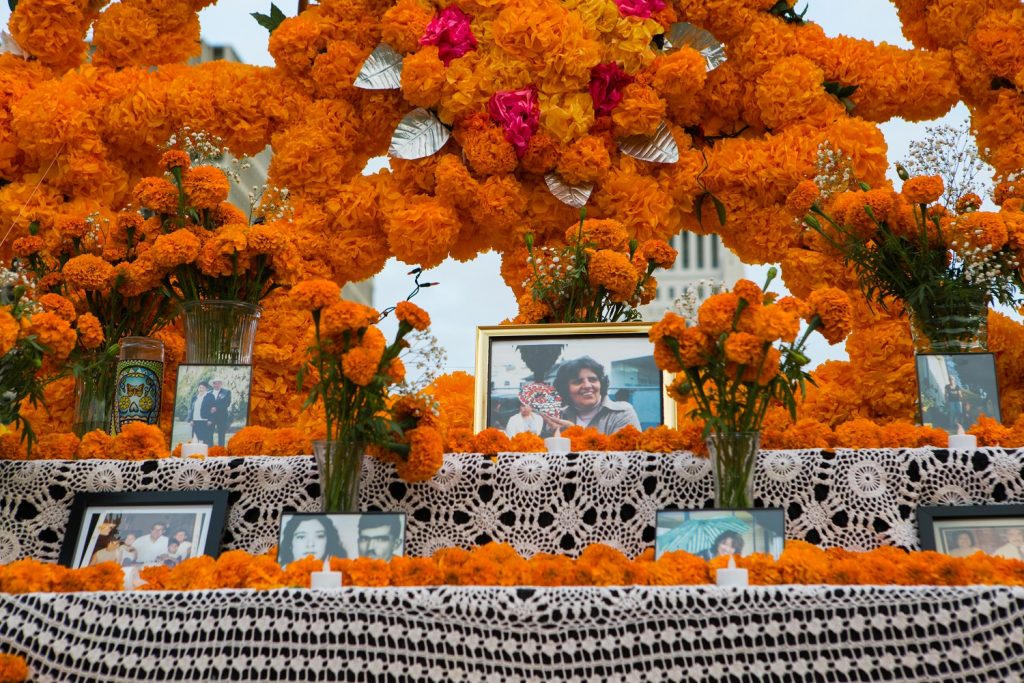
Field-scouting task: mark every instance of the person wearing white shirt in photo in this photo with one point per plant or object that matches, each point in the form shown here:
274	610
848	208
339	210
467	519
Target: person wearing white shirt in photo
524	421
1013	549
150	547
184	545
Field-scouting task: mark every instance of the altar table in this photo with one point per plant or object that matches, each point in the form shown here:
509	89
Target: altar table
786	634
537	502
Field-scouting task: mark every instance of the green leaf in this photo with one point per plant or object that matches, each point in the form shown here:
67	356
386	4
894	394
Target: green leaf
12	4
719	209
269	21
698	205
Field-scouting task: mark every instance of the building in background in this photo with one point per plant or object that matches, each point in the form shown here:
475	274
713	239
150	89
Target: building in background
701	257
254	177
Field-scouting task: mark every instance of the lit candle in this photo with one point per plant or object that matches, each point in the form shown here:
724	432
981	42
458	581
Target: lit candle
325	578
962	442
192	448
557	444
732	575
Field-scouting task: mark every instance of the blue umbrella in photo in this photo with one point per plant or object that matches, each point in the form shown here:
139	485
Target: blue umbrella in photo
697	535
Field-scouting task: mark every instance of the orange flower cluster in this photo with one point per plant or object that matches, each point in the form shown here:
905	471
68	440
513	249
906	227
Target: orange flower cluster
32	576
137	441
497	564
13	669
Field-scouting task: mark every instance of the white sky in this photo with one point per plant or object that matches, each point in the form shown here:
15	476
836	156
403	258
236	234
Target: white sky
473	293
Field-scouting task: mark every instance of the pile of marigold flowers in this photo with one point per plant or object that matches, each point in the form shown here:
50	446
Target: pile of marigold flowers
13	669
497	564
137	441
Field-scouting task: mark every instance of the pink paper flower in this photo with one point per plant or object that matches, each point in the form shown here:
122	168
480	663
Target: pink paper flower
518	113
606	84
640	8
451	32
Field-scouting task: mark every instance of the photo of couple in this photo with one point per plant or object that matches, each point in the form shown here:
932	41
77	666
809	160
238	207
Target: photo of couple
373	535
211	403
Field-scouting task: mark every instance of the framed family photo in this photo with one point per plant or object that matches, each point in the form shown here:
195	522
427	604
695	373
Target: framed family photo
545	378
143	528
374	535
955	388
710	533
961	531
211	403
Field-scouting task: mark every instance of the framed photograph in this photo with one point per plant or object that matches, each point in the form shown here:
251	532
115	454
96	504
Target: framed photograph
710	533
211	403
961	531
143	528
545	378
953	389
375	535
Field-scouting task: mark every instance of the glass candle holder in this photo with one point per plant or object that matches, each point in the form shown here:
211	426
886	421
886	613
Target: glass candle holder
140	381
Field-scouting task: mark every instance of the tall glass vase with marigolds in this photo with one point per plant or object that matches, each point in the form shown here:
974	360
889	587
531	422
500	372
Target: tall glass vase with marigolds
32	343
743	354
599	274
93	271
216	260
348	374
942	263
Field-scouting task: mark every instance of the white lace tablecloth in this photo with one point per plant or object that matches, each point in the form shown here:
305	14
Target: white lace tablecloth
786	634
536	502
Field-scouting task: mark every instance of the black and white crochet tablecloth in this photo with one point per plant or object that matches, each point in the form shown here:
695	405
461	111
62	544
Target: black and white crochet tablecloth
537	502
786	634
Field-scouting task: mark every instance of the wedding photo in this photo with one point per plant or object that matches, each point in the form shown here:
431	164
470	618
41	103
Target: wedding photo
211	403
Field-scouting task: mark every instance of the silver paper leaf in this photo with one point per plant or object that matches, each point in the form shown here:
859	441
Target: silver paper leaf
418	135
683	34
575	196
9	44
382	70
660	148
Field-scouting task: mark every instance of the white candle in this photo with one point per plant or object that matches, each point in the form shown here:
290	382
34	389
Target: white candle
557	444
732	575
325	578
963	442
192	448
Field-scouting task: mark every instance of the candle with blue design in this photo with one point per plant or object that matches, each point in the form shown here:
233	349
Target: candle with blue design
140	380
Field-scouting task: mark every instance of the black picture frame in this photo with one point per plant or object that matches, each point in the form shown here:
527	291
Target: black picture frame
509	359
191	374
90	509
343	535
699	531
941	528
977	383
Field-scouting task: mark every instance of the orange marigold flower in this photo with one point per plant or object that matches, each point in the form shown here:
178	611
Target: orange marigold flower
175	248
695	347
599	234
613	271
345	316
661	439
395	371
460	440
585	439
488	152
859	433
311	295
56	446
54	333
491	441
206	186
55	303
410	313
744	349
360	365
716	314
626	439
969	202
175	158
426	455
833	309
9	329
156	194
527	442
414	571
26	246
749	292
90	331
88	272
72	226
13	669
981	229
139	441
990	432
249	441
923	189
584	161
423	77
658	252
802	198
771	323
95	445
639	111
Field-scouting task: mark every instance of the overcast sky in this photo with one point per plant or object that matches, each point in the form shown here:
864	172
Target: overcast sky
473	293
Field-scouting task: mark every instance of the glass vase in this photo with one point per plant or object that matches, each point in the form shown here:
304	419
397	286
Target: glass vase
220	332
94	396
733	457
945	328
140	381
340	465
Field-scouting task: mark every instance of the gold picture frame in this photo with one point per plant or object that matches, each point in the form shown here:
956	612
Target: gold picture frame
623	347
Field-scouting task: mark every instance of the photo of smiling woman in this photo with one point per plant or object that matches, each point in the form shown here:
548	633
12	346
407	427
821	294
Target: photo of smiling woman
583	385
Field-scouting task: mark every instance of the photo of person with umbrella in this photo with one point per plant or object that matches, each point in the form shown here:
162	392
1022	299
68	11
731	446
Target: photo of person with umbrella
711	533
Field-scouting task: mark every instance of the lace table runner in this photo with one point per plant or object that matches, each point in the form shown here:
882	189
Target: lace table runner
784	633
536	502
